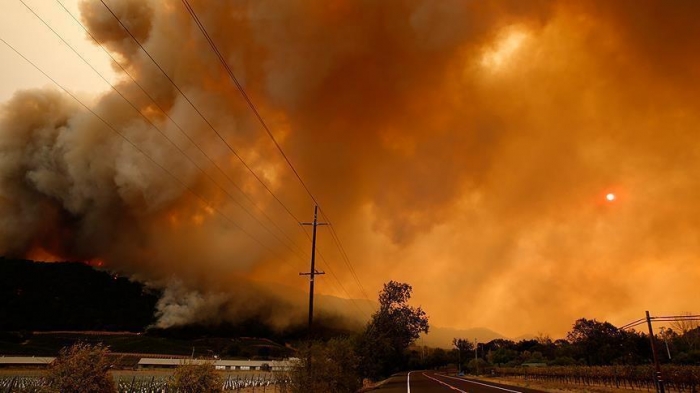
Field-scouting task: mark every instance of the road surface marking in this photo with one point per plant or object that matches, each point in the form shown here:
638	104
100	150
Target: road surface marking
408	382
483	384
444	383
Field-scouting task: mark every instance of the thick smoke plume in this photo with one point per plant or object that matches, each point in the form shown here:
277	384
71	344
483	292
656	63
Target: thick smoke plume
462	146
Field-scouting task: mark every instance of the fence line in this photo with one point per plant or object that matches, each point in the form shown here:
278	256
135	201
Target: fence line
684	379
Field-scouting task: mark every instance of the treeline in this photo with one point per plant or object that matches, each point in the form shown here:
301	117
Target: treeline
71	296
589	343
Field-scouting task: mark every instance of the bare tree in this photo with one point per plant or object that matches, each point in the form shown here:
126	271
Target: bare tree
688	329
543	338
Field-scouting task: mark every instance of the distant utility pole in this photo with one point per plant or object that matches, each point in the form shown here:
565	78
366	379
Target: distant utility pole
658	380
313	272
657	377
476	356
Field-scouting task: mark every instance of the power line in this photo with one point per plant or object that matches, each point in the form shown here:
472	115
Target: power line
666	318
204	118
295	251
255	111
230	148
345	257
246	98
165	74
677	318
153	124
138	149
332	272
633	324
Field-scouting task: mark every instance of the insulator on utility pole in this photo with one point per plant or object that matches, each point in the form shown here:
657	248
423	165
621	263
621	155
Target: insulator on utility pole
312	272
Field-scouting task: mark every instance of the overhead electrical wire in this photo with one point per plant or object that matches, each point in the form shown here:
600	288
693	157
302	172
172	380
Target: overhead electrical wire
246	98
126	29
335	277
292	246
667	318
678	317
633	324
211	126
156	127
257	177
345	256
138	149
264	125
206	120
260	119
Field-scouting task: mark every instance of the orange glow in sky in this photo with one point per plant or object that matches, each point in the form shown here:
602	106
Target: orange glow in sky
466	148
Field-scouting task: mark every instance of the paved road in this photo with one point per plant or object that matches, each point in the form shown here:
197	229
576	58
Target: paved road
431	382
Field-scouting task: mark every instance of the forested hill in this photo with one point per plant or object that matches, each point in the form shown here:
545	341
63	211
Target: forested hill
70	296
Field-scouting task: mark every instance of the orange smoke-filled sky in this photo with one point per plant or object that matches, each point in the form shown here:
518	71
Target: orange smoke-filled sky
465	147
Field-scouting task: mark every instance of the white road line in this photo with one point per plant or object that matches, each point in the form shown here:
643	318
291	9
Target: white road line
445	384
408	382
483	384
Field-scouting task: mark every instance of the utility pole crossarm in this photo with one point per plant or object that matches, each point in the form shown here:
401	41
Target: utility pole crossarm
316	273
312	272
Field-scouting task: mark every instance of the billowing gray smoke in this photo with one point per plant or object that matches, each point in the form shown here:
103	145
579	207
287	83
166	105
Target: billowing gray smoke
462	146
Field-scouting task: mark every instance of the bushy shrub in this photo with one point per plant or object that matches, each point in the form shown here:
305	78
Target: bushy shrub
197	378
81	368
326	367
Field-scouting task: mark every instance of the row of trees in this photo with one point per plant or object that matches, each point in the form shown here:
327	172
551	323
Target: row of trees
71	296
386	346
589	343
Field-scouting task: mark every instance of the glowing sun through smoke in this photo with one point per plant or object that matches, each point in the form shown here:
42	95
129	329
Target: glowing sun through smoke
504	48
508	143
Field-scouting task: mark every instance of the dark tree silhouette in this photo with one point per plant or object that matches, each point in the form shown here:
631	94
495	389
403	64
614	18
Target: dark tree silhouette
394	327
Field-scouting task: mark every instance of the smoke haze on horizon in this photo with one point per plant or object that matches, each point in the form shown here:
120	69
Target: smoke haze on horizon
464	147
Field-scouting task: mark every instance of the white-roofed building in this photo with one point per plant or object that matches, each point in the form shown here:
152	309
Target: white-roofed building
219	364
25	361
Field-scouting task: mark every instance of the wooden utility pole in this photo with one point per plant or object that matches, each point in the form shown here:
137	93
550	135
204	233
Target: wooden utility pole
476	356
657	377
313	272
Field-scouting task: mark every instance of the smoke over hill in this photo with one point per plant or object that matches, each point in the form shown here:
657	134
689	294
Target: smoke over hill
462	146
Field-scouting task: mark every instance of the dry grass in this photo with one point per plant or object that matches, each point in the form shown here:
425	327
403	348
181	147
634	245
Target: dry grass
556	387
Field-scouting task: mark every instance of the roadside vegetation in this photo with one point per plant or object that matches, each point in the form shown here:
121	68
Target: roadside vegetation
341	365
592	353
589	343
